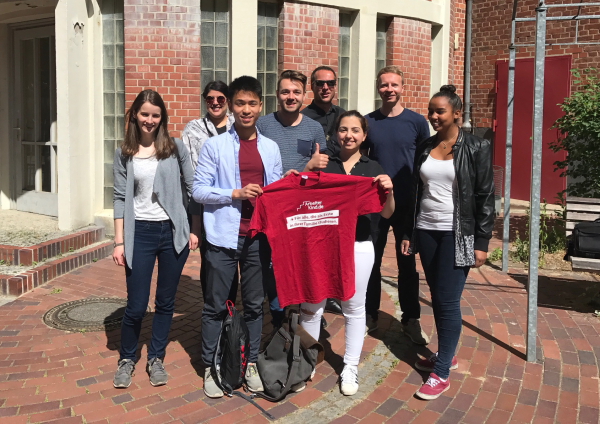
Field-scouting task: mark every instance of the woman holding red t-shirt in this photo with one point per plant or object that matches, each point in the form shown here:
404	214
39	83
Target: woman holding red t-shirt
351	132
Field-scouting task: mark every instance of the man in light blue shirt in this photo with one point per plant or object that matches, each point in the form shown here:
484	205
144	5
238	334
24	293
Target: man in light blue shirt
232	169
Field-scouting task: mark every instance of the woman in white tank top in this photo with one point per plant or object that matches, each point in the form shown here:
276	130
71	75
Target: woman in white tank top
453	204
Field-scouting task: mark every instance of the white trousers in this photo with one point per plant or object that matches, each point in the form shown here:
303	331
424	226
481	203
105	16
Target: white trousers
353	309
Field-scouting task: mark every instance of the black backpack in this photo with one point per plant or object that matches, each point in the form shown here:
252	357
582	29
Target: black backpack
231	358
586	240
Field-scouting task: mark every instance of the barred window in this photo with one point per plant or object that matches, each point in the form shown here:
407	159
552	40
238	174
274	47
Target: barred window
113	89
344	59
268	21
380	54
214	40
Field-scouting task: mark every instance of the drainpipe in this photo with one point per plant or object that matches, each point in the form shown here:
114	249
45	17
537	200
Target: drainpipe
467	100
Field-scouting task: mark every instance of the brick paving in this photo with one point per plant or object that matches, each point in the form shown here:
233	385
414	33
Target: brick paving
47	375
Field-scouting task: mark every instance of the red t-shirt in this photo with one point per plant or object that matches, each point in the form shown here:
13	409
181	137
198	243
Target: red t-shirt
252	171
310	221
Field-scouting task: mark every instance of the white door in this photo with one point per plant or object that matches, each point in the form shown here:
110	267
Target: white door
35	120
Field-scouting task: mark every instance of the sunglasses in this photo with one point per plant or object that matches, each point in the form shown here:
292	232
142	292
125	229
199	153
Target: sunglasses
321	83
220	99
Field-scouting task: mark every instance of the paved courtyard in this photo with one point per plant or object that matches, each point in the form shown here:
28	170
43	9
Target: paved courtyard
48	375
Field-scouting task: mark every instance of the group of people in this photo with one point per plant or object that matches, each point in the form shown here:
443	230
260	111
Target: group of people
172	196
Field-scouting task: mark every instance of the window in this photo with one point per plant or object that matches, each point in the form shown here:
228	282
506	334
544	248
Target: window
214	40
380	54
113	89
344	59
268	17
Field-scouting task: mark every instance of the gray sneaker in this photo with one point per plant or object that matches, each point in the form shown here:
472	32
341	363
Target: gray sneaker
253	380
414	332
124	373
156	370
211	389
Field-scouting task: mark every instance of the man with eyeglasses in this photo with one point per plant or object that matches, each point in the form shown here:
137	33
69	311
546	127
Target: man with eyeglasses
323	82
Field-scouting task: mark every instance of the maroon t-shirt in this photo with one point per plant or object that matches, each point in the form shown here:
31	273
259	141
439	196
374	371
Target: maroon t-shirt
252	171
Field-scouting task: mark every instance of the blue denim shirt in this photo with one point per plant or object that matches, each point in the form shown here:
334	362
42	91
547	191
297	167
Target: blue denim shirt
218	174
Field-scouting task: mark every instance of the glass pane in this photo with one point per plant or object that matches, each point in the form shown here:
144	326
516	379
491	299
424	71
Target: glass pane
221	58
109	179
119	56
45	89
272	60
271	37
344	87
109	56
28	90
207	8
108	30
46	165
120	80
260	56
207	35
344	66
222	10
344	104
28	156
109	151
270	104
208	57
119	30
261	14
221	30
221	76
120	104
109	80
380	49
109	103
344	46
271	10
207	76
108	197
109	127
270	84
120	127
260	34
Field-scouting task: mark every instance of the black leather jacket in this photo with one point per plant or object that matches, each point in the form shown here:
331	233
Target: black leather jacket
475	179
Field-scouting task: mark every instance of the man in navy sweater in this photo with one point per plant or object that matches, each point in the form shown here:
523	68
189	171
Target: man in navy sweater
394	132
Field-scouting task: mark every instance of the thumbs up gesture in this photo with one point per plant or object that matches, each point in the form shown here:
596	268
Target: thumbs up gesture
318	160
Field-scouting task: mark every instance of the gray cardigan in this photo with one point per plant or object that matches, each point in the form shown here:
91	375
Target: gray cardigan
172	186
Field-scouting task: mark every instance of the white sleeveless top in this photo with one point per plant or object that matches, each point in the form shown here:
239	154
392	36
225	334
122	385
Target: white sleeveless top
145	202
437	203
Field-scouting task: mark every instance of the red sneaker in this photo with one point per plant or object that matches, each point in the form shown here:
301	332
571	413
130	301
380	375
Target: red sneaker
428	364
433	388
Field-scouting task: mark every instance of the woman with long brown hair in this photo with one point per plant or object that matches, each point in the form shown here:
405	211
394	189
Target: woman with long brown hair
153	178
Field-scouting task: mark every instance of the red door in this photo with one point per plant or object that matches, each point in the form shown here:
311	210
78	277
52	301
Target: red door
557	86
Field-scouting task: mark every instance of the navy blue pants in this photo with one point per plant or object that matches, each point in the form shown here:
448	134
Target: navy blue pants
446	283
153	240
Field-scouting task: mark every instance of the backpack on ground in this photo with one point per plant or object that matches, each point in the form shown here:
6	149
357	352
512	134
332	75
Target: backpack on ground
288	360
231	357
586	240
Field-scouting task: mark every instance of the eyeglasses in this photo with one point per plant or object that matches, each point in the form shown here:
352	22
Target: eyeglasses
220	99
321	83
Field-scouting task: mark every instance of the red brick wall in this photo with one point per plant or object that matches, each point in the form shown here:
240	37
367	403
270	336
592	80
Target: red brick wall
308	37
491	37
456	69
409	47
162	52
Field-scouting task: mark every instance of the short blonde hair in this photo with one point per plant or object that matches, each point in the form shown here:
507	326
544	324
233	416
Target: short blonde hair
393	69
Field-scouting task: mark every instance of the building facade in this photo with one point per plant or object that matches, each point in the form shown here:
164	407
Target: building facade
75	66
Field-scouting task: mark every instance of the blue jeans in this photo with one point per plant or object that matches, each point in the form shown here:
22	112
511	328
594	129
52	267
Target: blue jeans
446	282
152	240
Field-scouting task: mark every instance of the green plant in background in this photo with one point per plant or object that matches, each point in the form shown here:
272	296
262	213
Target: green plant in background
579	136
495	255
552	237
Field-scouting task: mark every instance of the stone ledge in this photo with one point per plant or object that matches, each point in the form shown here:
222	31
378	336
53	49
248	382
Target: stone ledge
16	285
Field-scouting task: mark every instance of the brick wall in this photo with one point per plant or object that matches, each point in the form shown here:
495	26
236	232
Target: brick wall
409	47
308	37
456	69
491	37
162	52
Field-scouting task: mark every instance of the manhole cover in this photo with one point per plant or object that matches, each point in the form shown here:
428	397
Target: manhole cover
92	314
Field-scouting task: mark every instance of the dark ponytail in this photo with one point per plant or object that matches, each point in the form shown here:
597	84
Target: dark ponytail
449	92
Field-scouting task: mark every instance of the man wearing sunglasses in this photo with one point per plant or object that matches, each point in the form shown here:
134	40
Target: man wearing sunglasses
324	84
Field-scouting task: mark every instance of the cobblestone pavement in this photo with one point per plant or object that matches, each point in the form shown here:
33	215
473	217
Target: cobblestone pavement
47	375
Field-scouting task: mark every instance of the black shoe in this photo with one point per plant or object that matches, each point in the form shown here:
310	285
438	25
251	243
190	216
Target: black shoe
323	322
333	306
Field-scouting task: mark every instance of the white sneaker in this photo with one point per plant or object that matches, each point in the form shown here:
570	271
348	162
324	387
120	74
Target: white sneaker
349	380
